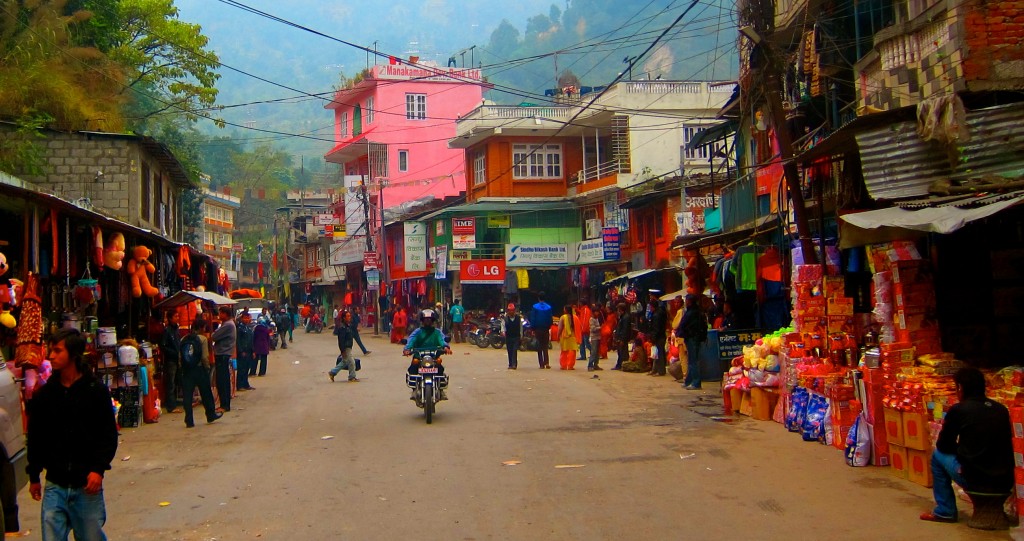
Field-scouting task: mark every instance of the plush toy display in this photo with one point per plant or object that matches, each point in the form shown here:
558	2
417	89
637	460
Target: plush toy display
7	298
113	252
138	270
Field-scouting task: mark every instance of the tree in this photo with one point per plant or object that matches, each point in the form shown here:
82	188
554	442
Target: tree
162	54
504	40
44	74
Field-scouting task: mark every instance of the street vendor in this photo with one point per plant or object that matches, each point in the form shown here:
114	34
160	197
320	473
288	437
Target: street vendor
975	447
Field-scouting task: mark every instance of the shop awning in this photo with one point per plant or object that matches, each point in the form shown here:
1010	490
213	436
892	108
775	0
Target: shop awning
632	275
944	218
687	242
669	296
712	134
185	297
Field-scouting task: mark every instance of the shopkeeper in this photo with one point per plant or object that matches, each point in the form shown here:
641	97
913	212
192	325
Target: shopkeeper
975	447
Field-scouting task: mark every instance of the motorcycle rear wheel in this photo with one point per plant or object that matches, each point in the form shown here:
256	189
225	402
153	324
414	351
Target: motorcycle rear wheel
497	342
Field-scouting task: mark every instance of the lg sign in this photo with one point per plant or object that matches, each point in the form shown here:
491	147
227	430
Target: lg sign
482	271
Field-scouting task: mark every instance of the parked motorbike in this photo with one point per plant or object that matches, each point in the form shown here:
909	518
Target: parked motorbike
428	383
529	339
474	333
492	335
315	324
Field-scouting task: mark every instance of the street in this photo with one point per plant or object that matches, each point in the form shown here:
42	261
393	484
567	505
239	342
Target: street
612	456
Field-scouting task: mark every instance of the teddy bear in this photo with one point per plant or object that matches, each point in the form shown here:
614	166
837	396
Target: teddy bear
113	252
138	269
6	295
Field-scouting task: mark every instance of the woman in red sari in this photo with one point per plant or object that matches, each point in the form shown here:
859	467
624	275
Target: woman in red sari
607	329
398	325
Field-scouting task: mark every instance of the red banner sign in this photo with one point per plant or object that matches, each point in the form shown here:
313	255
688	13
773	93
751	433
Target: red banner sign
464	226
482	271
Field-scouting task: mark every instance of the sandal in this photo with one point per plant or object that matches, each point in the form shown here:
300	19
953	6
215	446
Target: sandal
932	517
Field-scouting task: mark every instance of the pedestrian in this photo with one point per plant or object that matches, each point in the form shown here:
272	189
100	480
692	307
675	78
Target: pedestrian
345	339
195	372
607	330
595	338
974	449
512	330
541	319
294	315
224	340
170	347
72	434
356	320
398	325
284	322
693	329
245	353
260	349
334	316
457	313
658	332
567	343
582	313
384	309
623	333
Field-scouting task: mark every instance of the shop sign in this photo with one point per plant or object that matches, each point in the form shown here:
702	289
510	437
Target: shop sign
371	260
612	250
536	255
415	246
439	227
482	271
373	279
441	263
237	247
730	343
415	228
351	251
590	251
455	256
501	221
464	242
326	219
464	226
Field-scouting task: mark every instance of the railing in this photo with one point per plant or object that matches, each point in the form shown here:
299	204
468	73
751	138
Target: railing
678	87
597	172
514	111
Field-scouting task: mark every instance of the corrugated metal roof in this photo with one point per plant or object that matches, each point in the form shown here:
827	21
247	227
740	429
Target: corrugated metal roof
898	164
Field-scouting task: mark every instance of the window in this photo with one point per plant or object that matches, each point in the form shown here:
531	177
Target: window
344	124
700	153
416	106
403	161
533	161
369	110
480	168
147	194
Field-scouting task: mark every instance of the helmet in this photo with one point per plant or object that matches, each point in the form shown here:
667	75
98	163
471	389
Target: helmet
428	313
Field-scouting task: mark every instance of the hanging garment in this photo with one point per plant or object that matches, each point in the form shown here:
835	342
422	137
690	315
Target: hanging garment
511	283
746	270
523	278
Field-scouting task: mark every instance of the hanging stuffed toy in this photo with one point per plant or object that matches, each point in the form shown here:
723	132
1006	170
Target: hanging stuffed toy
7	298
97	246
139	268
113	252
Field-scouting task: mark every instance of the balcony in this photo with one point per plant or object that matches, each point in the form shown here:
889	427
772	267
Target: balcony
598	172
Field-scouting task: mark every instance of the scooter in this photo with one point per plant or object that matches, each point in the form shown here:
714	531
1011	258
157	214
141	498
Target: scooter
315	324
428	382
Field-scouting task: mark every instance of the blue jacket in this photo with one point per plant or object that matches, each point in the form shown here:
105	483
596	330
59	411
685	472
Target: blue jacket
540	316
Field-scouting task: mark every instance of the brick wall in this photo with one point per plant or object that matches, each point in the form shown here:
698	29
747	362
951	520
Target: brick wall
994	40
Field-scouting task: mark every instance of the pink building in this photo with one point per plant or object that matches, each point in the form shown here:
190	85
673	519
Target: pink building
394	125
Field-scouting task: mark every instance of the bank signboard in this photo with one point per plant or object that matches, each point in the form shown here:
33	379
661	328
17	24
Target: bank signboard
536	255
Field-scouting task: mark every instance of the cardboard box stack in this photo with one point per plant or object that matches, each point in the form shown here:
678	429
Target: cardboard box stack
914	302
1017	420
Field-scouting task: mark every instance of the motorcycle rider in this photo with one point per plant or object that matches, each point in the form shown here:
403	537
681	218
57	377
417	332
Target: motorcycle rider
427	336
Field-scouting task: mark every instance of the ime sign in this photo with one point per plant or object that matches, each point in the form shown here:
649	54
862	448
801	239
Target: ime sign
482	271
464	226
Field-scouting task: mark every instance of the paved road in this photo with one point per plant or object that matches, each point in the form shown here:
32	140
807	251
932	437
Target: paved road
302	458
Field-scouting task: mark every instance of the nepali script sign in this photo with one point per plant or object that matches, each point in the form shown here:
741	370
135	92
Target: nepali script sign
536	255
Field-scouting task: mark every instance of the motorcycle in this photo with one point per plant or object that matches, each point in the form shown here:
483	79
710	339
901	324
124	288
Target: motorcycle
529	339
491	335
428	383
315	324
474	333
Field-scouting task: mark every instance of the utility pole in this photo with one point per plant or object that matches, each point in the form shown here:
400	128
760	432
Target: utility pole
762	18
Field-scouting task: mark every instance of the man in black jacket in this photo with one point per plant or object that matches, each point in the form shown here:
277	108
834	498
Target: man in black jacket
975	447
72	434
343	330
512	330
170	348
621	335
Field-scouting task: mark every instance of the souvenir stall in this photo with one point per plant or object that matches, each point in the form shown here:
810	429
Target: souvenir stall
65	266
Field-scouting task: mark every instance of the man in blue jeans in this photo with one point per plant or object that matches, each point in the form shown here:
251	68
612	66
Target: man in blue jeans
224	340
72	434
974	449
693	329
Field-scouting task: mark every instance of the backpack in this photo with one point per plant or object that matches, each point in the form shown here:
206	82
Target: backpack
191	351
344	364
